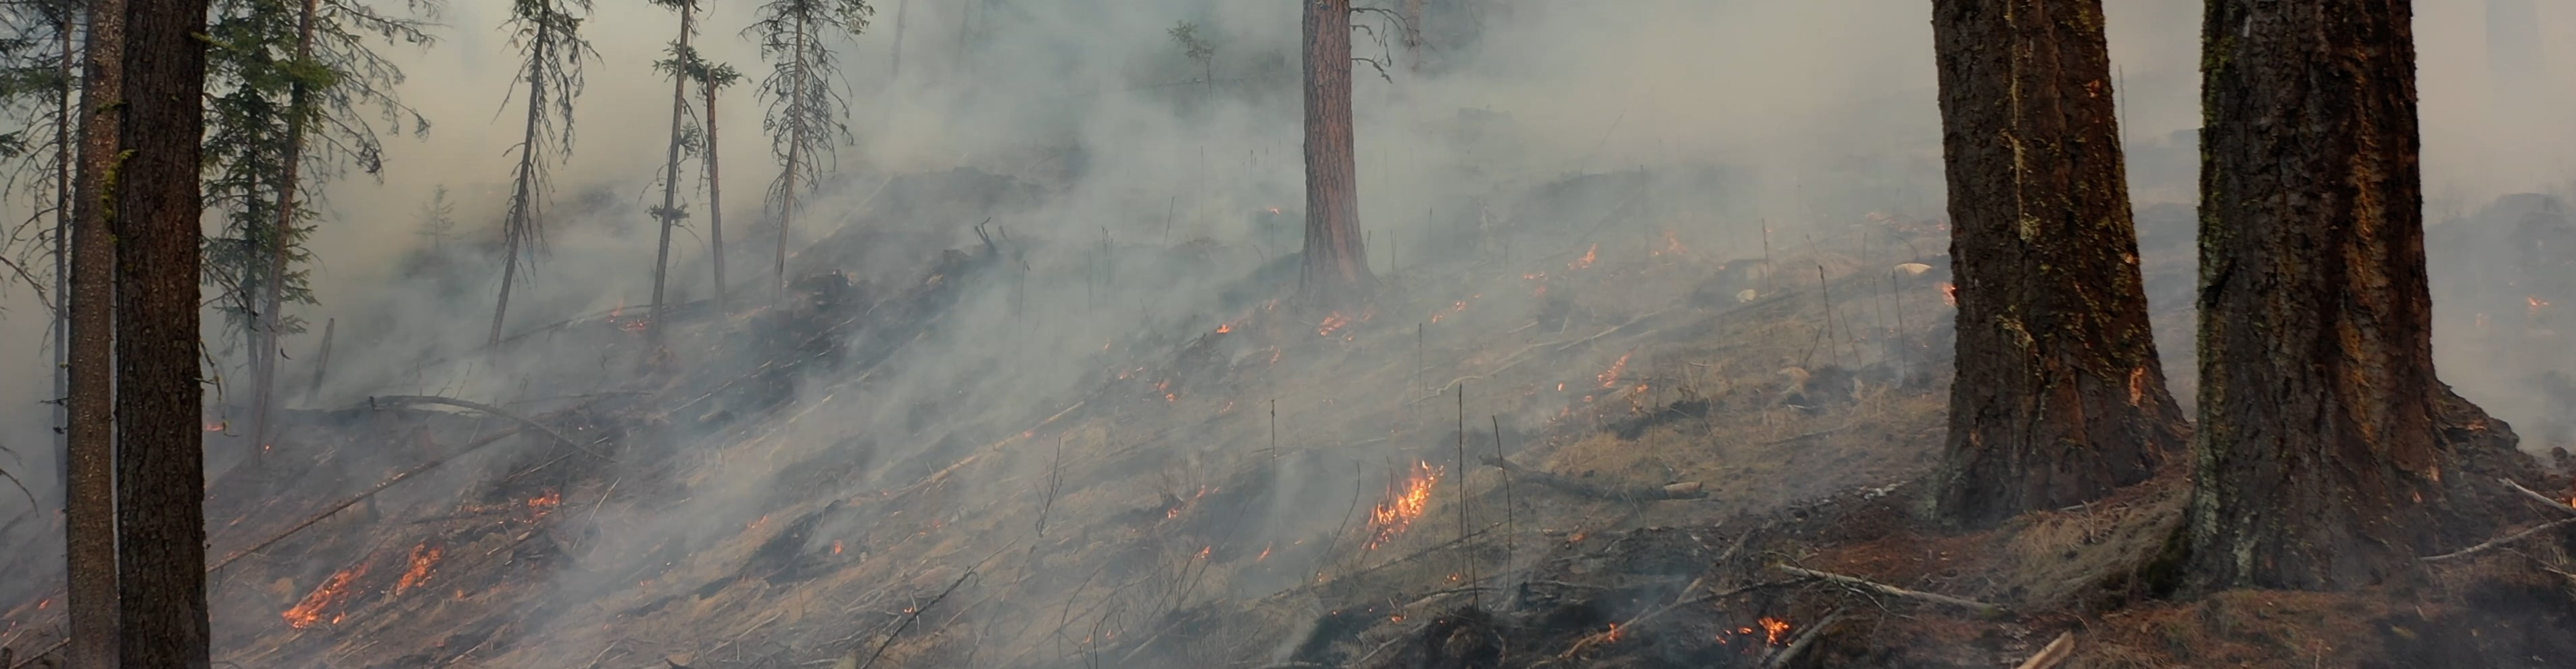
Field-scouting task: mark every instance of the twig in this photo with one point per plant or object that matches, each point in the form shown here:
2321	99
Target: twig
1805	640
2507	539
915	613
1510	528
2055	654
1981	608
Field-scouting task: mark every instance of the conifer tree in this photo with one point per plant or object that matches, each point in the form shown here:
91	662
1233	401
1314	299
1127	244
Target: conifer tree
711	78
549	36
805	111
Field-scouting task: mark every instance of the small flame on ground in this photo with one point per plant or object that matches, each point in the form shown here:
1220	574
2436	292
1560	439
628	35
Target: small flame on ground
1265	553
2536	304
1949	293
1332	322
540	505
1774	630
836	547
1204	551
1672	245
49	601
423	557
1589	255
1613	637
309	611
1404	504
1610	379
218	426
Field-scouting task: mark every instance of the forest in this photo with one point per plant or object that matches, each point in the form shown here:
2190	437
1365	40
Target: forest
2046	334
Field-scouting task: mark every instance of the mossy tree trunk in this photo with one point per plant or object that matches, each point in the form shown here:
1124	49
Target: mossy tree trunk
2060	397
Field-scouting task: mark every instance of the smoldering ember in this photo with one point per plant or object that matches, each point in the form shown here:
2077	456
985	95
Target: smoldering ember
1439	334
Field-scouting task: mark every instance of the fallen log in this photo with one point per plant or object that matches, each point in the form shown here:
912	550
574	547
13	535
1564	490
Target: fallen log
1981	608
1623	493
380	402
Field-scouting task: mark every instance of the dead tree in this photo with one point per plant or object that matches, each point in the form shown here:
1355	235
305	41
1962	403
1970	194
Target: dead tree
1335	264
2325	441
2060	396
89	507
805	111
160	462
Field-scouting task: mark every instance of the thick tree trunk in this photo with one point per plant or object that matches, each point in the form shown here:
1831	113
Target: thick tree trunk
670	212
90	498
715	202
272	299
2323	435
161	481
1336	261
522	203
2060	397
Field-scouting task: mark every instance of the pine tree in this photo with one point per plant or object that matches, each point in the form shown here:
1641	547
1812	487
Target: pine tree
89	431
1335	263
280	71
805	111
2061	396
711	78
549	36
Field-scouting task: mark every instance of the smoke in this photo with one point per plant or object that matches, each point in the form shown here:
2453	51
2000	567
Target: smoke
1089	139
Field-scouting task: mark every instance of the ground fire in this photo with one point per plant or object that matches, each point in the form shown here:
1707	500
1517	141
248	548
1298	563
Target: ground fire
1405	501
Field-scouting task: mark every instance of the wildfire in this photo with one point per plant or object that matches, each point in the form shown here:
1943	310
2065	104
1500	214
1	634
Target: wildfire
49	601
836	547
218	426
540	505
1774	630
1403	504
1589	255
423	557
1224	328
1613	636
1610	379
1265	553
1331	323
2536	304
331	594
1949	293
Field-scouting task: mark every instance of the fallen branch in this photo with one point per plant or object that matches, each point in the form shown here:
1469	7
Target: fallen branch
1804	641
1604	333
1981	608
915	613
401	400
2055	654
2563	508
2507	539
1623	493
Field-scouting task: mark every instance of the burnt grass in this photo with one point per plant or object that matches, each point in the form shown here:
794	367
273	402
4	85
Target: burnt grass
1148	519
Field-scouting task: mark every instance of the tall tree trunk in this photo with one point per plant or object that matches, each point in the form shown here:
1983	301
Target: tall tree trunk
1336	261
521	204
89	507
1413	34
160	459
795	153
895	56
2323	434
715	202
670	212
63	247
272	297
2060	397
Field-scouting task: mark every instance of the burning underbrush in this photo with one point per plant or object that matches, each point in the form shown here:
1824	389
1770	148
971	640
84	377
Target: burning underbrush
1600	454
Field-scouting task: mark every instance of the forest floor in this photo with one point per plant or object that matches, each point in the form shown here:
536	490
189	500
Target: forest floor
1619	454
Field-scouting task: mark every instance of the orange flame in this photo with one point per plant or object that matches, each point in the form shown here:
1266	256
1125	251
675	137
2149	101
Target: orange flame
331	594
2536	304
218	426
1613	637
541	505
1774	630
423	557
1331	323
1949	293
1265	553
1610	379
1403	504
836	547
1589	255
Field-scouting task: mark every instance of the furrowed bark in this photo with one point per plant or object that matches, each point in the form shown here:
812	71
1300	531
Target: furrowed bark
2060	396
2324	436
89	433
161	529
1336	259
